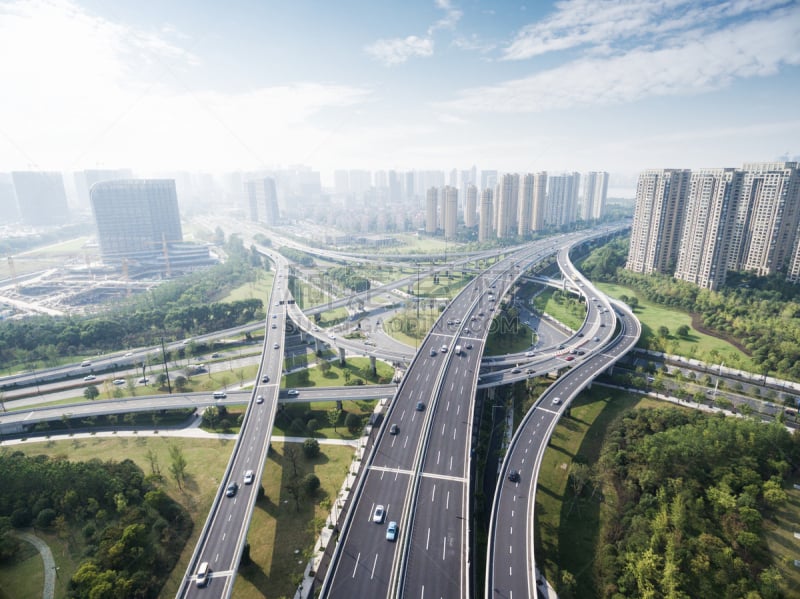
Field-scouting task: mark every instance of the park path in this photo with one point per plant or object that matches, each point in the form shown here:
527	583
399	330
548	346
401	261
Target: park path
49	563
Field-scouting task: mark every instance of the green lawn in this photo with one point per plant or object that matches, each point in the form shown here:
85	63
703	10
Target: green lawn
259	289
570	312
695	345
23	576
276	529
354	368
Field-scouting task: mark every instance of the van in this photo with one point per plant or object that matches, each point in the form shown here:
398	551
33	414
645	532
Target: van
219	395
202	574
458	350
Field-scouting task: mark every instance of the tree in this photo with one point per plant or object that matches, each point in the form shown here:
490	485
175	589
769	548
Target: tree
91	392
290	453
311	448
683	331
311	484
663	331
353	422
177	466
333	417
180	383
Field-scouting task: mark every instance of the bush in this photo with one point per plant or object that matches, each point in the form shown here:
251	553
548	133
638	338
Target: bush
353	422
21	518
44	519
311	483
311	448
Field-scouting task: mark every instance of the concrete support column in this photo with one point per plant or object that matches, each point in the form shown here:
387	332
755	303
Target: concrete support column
373	365
341	357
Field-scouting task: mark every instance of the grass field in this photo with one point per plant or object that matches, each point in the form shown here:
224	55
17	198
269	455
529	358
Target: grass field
259	289
570	314
695	345
338	375
23	577
276	531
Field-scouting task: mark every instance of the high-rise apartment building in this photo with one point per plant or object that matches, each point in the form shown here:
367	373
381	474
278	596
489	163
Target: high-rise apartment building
488	179
539	201
705	239
431	210
450	195
263	200
768	217
525	205
506	209
561	207
594	196
485	224
658	220
471	207
135	217
41	197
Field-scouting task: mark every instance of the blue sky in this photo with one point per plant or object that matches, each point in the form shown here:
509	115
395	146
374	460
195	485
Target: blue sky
616	85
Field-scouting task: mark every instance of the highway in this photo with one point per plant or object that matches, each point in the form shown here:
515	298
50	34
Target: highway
223	536
511	566
421	473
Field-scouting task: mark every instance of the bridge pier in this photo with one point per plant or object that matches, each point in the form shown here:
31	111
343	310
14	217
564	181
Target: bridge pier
341	357
373	365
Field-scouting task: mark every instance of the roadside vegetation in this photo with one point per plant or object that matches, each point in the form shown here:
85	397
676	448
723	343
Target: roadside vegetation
638	499
758	316
282	532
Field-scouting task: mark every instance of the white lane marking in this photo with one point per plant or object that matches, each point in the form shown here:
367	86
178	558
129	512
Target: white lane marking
443	425
444	547
358	557
458	409
510	547
438	455
405	443
428	539
454	434
448	406
372	575
371	511
447	501
451	462
433	494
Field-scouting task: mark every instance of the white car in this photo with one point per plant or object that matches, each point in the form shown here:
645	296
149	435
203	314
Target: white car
379	514
248	477
119	381
89	377
292	392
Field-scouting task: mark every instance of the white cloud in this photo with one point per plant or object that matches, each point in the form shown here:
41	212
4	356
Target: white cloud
698	64
399	50
580	23
84	90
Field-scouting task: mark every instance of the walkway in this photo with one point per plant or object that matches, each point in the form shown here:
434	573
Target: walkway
49	563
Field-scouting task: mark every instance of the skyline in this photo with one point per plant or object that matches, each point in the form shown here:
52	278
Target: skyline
619	86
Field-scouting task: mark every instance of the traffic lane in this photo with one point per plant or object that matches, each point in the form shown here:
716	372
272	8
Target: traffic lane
438	540
365	564
399	449
510	548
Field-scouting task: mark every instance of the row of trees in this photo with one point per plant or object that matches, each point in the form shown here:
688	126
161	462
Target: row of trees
133	530
687	496
348	278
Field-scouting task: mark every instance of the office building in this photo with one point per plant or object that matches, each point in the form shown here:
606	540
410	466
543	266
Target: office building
263	201
136	218
86	178
485	222
41	197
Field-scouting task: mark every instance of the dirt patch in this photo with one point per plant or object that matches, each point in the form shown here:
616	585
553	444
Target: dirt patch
697	325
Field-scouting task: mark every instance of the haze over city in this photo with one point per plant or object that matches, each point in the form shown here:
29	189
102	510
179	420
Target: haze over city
572	85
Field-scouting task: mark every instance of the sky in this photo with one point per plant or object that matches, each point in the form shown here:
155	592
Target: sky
614	85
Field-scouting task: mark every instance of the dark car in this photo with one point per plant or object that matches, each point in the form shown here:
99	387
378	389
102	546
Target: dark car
265	379
232	488
513	476
394	429
420	406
